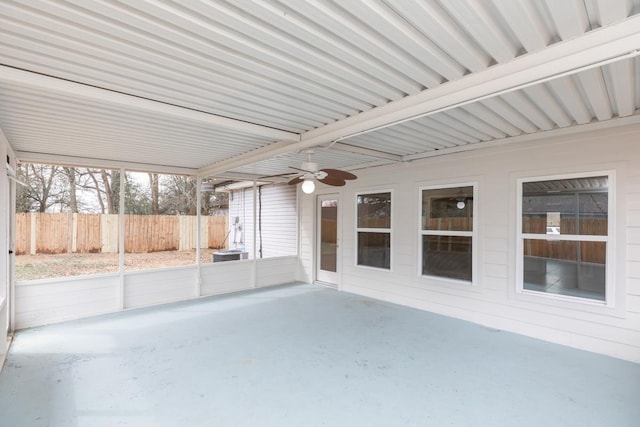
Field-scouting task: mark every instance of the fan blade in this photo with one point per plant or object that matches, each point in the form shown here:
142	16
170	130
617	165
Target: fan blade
337	173
296	180
332	180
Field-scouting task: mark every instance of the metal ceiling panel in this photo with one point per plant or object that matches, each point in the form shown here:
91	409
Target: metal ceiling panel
40	122
559	103
294	66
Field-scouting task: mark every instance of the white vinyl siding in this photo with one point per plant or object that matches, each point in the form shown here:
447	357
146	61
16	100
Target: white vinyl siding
279	221
494	300
275	222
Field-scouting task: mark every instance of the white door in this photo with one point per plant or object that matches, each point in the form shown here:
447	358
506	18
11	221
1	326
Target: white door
327	249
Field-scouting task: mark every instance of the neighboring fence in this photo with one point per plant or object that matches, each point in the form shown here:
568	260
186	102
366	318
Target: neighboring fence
54	233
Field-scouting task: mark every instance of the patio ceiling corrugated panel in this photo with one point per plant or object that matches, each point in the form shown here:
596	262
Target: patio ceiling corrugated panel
295	66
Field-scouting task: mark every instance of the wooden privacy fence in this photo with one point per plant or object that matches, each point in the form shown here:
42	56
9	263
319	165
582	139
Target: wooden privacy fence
55	233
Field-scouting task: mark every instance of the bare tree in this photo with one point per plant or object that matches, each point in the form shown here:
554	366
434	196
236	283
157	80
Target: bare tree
70	173
154	183
44	188
178	196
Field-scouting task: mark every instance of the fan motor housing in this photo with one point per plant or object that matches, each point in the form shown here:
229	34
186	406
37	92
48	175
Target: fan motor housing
310	166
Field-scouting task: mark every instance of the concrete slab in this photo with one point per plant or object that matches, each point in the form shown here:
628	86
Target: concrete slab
304	355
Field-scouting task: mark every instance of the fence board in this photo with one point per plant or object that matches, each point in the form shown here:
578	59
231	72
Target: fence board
217	227
109	224
54	233
88	233
23	233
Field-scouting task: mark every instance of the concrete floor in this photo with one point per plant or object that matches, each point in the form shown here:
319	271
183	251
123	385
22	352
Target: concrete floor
303	355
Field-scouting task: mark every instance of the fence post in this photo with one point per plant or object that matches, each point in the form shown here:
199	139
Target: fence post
32	243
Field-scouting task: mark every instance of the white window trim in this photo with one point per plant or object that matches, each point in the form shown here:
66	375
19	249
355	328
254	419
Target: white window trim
375	230
473	234
609	239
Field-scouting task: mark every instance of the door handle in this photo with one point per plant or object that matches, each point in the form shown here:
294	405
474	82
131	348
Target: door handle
10	252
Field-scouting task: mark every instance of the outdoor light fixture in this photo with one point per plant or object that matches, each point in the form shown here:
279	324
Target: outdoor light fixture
308	186
460	204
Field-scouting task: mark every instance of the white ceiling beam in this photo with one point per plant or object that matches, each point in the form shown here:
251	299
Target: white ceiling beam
55	159
240	176
591	48
47	83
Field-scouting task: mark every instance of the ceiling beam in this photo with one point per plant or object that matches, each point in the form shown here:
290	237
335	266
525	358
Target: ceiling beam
47	83
602	44
55	159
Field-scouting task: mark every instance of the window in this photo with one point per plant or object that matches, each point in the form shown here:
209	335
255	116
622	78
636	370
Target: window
563	236
447	232
374	229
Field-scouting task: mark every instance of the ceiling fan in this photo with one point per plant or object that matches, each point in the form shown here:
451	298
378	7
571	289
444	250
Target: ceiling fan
309	172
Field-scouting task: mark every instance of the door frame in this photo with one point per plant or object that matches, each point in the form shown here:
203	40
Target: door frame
325	278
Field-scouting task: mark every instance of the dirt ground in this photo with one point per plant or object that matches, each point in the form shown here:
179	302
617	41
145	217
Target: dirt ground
44	266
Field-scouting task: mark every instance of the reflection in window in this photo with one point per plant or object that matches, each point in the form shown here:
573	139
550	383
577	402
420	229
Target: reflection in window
572	206
374	249
374	229
564	236
447	232
374	210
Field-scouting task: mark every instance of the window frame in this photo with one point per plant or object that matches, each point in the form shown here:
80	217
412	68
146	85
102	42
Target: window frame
473	234
609	239
389	230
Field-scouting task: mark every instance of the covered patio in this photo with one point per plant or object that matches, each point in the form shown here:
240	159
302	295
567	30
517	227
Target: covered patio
302	354
433	212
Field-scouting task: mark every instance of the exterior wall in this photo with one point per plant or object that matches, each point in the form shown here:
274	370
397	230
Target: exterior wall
277	223
493	300
6	214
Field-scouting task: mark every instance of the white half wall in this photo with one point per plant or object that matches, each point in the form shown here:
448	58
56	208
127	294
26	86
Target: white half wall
493	301
41	302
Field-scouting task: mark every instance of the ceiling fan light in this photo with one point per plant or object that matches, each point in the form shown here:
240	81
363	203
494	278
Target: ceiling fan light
308	186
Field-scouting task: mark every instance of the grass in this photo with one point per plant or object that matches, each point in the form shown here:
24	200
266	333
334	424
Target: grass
48	266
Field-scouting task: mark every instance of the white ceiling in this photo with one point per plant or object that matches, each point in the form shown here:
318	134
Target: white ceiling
246	85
